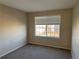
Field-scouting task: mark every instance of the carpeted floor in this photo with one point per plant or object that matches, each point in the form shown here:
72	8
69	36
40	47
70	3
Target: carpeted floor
38	52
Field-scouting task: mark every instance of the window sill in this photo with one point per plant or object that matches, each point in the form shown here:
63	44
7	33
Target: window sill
47	37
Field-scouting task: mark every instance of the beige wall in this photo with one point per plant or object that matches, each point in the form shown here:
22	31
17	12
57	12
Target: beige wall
75	34
66	23
13	29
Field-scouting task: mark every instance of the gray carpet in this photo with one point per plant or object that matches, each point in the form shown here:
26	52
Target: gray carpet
38	52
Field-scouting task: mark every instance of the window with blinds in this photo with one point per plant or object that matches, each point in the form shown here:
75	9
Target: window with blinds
47	26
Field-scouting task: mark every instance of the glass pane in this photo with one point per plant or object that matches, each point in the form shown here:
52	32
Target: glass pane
53	30
57	30
40	30
37	30
50	30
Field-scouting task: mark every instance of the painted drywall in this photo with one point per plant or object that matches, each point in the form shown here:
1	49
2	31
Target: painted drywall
13	29
65	32
75	34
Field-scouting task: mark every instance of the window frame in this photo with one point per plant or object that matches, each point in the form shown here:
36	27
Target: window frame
46	32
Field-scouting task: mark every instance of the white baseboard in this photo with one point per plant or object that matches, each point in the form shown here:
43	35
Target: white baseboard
12	50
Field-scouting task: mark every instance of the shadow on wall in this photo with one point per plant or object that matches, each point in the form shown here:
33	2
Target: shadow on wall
13	29
12	32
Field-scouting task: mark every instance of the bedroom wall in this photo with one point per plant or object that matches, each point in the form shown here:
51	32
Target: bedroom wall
75	34
13	29
65	32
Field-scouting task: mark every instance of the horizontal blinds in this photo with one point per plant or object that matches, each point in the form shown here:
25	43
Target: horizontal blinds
47	20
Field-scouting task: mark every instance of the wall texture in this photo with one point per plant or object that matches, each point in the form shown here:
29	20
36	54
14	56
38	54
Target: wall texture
75	34
13	29
66	23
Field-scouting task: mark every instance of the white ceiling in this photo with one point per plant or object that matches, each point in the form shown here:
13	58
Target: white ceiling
39	5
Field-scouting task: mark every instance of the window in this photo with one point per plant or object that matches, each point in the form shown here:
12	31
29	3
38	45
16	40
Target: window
47	28
40	30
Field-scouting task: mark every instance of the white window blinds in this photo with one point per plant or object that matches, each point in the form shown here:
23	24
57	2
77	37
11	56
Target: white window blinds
47	20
